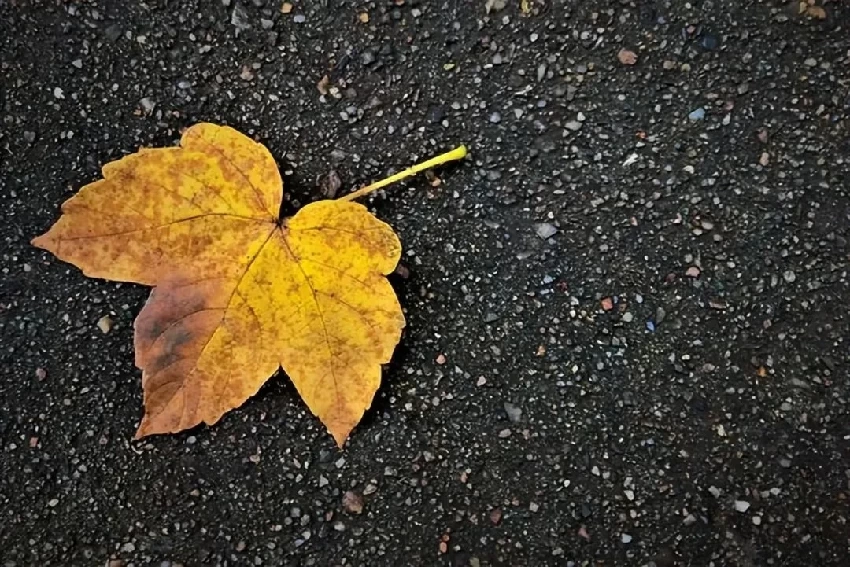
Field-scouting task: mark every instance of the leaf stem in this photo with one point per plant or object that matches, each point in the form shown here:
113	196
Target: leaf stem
457	153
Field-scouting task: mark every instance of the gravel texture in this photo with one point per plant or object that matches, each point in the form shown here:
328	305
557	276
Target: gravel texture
627	309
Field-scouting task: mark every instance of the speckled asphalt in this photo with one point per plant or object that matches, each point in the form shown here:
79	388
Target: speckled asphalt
627	309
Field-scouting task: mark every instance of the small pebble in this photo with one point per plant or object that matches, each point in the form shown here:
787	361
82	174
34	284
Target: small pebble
697	114
352	502
627	57
742	506
709	42
495	5
545	230
514	413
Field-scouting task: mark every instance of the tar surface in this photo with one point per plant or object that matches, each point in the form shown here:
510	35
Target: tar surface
627	308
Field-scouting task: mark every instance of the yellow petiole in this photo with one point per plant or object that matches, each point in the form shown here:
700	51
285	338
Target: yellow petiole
456	154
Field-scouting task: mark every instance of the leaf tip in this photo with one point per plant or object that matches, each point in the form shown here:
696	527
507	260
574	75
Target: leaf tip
46	241
340	435
146	427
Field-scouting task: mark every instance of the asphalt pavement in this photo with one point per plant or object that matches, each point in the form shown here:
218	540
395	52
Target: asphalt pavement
627	308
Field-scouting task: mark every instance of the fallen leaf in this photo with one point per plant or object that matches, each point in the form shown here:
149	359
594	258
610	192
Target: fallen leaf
627	57
239	292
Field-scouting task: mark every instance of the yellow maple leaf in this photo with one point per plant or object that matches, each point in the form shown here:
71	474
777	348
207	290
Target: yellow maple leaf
238	291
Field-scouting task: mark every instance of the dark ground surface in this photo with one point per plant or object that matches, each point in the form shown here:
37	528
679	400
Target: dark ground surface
640	427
